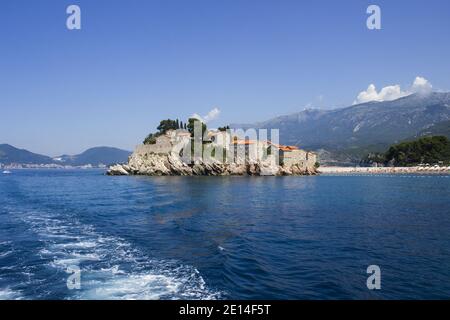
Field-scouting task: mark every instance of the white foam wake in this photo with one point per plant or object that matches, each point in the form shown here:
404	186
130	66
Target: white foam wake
8	294
110	267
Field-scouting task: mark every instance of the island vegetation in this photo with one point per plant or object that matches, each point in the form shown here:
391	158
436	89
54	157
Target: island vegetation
164	126
434	150
169	124
178	148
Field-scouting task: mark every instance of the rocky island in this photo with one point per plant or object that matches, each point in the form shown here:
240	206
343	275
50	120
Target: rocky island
192	150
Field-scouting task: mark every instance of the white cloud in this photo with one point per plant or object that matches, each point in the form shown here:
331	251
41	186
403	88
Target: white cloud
389	93
385	94
210	116
421	85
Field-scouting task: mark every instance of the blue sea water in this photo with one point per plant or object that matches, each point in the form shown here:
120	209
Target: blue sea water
223	237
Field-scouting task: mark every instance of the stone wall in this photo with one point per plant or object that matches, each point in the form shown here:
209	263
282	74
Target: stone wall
289	158
311	159
163	145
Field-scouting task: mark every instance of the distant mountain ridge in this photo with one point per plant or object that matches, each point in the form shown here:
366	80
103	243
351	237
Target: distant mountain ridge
342	135
438	129
94	156
348	133
10	154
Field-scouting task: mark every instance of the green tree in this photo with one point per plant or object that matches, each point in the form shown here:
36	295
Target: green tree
225	128
166	125
372	158
151	138
191	125
432	150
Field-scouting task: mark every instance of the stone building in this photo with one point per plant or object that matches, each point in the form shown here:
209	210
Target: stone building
292	155
171	141
220	138
236	150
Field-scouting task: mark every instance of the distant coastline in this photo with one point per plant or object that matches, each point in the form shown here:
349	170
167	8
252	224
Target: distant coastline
96	157
24	166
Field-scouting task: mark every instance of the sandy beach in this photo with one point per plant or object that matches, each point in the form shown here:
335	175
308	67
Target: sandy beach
384	170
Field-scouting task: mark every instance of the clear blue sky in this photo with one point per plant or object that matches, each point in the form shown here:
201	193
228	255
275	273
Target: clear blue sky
136	62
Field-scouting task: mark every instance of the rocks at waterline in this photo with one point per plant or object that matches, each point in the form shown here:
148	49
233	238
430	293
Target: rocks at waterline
170	164
176	153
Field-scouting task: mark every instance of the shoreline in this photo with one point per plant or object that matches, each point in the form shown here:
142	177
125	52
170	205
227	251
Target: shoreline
383	170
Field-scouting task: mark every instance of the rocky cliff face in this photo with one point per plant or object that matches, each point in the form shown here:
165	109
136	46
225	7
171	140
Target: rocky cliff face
153	164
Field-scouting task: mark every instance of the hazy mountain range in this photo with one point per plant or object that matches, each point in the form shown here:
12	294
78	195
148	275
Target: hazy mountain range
340	135
94	156
348	133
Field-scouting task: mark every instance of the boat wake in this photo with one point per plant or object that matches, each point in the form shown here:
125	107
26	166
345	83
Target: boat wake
8	294
110	268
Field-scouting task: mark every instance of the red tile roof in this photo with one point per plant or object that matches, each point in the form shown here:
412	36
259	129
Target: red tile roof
279	146
284	148
243	142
